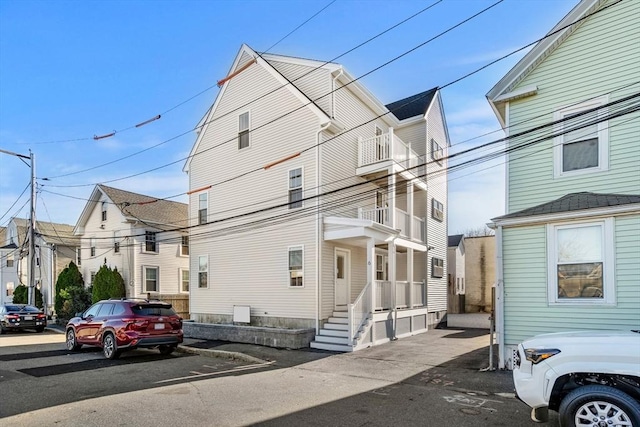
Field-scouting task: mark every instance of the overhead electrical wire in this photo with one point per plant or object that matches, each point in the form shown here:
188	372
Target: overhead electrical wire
355	127
16	201
350	200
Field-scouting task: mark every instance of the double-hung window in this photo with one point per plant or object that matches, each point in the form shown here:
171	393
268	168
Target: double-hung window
150	244
580	259
184	280
151	279
92	245
184	246
295	188
437	267
203	204
582	141
437	210
203	271
116	242
296	272
243	130
104	211
437	152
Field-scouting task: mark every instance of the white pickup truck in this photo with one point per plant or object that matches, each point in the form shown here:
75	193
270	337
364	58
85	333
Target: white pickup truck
591	378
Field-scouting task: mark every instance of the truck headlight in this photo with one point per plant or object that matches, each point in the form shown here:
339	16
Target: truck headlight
537	355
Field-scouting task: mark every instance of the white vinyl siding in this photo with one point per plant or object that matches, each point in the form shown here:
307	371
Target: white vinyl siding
576	71
314	82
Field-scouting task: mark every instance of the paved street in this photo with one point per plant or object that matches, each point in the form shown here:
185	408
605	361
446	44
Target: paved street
429	379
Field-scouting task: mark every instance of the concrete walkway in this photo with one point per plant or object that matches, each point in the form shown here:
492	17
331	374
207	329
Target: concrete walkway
256	397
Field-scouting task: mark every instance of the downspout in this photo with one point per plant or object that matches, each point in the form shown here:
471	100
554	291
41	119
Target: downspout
333	93
318	228
499	303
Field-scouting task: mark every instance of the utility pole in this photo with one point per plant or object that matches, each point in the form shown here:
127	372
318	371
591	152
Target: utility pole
31	278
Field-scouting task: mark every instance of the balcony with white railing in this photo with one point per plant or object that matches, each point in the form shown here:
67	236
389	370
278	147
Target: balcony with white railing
400	221
389	147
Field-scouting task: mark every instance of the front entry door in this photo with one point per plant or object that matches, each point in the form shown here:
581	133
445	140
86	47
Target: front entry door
342	268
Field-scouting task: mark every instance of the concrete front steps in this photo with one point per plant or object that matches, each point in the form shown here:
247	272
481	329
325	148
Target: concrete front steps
334	336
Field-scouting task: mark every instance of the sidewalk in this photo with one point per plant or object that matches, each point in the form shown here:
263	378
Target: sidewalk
297	381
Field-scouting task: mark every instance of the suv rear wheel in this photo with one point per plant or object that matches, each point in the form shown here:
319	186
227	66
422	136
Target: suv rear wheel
109	347
597	405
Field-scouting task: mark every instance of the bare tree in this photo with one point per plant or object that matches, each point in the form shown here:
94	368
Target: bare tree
478	232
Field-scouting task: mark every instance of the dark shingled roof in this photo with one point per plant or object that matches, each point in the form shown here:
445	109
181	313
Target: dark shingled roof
455	240
412	106
147	208
575	202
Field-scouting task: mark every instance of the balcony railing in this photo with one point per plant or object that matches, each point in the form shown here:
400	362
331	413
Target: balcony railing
408	294
388	146
401	221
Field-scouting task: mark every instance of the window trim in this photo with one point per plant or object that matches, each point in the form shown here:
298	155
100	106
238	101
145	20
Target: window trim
203	219
116	243
608	263
144	279
437	214
155	249
603	138
203	271
289	249
247	130
433	265
92	247
181	281
182	245
103	211
289	189
436	157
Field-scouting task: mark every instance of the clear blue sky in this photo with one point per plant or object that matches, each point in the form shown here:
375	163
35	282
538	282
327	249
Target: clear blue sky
72	69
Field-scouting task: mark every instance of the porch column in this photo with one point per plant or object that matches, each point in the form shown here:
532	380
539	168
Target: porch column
391	197
392	275
371	270
410	209
410	275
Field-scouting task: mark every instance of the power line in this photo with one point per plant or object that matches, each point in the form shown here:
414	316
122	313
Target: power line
16	201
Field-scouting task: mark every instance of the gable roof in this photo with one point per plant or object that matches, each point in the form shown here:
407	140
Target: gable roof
415	105
137	207
503	91
51	232
454	241
575	202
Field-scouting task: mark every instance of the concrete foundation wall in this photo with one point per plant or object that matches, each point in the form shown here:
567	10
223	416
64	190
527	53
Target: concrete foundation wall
468	320
258	321
270	337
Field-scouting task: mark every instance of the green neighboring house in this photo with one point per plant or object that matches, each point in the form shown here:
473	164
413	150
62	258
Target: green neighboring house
568	249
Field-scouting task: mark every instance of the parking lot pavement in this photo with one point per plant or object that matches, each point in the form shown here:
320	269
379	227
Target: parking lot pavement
430	379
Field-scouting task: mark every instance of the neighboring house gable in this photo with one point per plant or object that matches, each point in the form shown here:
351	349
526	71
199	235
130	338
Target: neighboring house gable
144	237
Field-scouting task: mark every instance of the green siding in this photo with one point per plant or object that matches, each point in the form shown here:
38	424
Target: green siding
601	55
527	311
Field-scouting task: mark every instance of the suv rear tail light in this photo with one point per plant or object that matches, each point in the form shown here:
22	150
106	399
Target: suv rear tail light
41	316
12	316
537	355
136	324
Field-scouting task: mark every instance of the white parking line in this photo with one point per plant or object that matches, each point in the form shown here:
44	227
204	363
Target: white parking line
228	371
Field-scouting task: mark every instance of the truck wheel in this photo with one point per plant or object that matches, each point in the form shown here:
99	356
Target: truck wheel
597	405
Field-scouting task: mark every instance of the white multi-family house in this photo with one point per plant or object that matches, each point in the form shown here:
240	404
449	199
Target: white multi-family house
316	206
142	237
55	247
568	248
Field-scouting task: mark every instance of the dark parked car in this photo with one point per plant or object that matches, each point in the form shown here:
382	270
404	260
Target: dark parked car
21	316
117	325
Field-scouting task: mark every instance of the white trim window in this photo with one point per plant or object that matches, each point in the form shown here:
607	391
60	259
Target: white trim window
184	246
203	271
79	257
150	241
382	267
184	279
580	259
104	211
437	267
203	204
151	277
437	152
116	242
243	130
296	270
92	246
437	210
295	188
586	148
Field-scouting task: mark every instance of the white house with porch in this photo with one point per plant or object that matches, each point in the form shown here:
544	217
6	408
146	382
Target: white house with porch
315	206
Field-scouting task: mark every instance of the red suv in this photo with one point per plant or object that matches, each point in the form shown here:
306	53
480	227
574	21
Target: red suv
125	324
